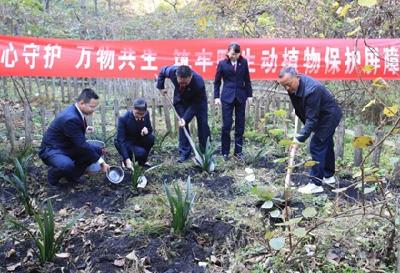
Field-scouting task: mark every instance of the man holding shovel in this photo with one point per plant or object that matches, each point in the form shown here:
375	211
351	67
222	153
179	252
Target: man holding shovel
317	109
190	100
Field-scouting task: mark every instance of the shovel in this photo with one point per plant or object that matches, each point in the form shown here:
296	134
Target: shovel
291	157
197	156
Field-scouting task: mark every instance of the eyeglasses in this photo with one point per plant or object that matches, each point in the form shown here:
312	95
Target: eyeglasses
94	107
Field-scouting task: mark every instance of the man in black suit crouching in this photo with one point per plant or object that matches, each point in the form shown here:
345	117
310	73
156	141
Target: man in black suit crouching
64	147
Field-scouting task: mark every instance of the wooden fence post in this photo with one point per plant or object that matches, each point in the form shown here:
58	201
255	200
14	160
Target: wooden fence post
57	107
376	155
103	121
166	114
153	113
76	87
37	81
358	131
53	87
5	89
396	169
9	119
62	90
69	90
116	112
339	140
28	124
256	112
46	88
43	117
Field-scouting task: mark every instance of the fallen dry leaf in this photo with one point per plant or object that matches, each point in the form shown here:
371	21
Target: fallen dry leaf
13	267
63	212
63	255
132	256
119	262
10	253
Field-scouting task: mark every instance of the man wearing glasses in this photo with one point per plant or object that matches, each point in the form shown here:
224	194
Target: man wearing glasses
64	148
134	136
317	109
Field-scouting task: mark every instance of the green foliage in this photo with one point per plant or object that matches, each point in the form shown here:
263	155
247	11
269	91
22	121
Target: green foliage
137	172
253	155
46	241
179	205
207	162
264	193
19	181
159	142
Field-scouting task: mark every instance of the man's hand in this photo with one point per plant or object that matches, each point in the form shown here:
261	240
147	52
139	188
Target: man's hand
103	151
295	145
128	163
89	129
217	101
182	122
144	131
250	100
104	167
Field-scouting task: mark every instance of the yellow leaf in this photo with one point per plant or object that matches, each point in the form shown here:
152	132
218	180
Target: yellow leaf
367	3
372	102
310	163
396	131
362	142
354	32
269	235
379	82
368	68
371	179
391	111
280	113
344	10
335	6
286	142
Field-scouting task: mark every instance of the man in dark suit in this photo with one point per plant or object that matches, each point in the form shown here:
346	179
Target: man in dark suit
317	109
234	71
134	137
64	147
190	100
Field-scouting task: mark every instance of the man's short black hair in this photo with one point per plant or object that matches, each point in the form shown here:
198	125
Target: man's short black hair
86	95
235	47
184	71
140	104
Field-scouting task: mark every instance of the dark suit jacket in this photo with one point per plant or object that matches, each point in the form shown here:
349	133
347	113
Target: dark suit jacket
316	108
236	84
129	130
192	99
66	133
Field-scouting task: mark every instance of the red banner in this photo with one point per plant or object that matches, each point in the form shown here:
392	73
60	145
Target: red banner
325	59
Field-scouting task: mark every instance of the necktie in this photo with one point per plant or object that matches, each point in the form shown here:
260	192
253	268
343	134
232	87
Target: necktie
84	122
234	67
181	88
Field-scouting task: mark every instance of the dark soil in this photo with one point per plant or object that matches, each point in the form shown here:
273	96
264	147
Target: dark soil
221	186
97	251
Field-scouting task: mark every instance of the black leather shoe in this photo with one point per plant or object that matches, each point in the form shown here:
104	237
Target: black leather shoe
76	181
52	179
